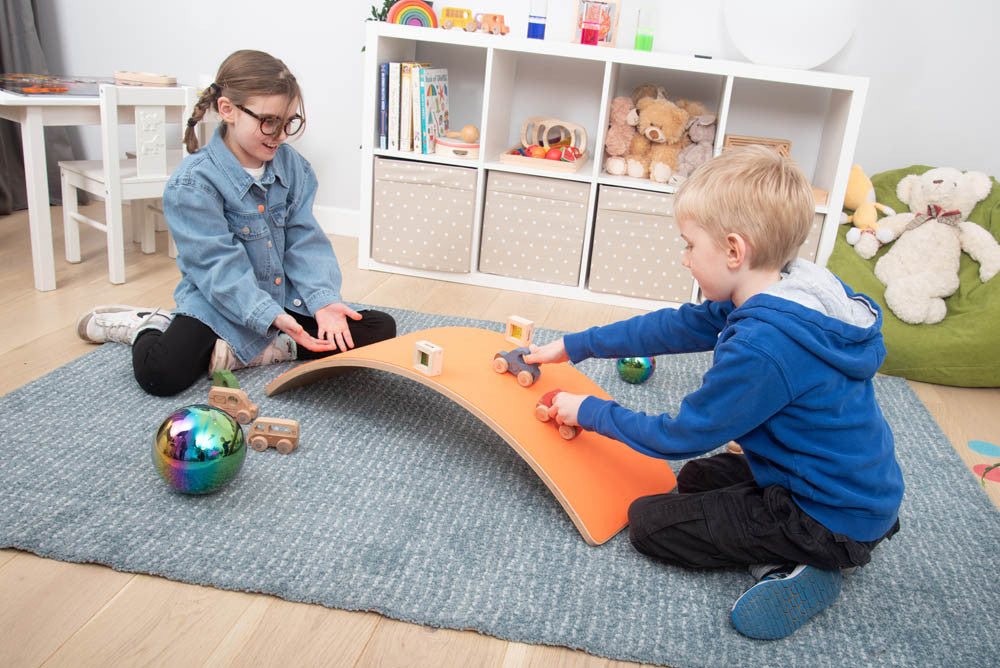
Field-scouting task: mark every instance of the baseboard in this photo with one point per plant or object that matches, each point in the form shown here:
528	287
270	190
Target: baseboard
335	220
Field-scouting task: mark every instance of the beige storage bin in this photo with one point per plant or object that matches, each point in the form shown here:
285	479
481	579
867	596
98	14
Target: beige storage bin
637	250
423	215
533	227
810	246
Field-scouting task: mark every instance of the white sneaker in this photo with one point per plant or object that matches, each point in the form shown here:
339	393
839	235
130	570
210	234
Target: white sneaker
119	323
282	349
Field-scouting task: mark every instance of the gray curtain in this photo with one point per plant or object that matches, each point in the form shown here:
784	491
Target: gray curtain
21	51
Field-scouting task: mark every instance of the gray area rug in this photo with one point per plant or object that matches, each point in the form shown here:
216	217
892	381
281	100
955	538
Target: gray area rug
401	502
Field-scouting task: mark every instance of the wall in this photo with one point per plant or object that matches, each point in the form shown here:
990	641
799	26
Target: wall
932	98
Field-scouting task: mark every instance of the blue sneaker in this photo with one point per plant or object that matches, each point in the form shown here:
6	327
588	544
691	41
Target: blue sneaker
782	602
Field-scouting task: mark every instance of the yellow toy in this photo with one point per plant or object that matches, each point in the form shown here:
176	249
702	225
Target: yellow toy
860	198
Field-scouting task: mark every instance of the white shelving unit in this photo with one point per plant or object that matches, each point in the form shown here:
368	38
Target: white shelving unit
496	82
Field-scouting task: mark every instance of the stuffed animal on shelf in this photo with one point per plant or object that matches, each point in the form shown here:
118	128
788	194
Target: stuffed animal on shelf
701	132
648	90
660	126
619	135
921	268
860	198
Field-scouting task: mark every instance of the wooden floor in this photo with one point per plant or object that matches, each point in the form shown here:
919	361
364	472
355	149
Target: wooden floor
59	614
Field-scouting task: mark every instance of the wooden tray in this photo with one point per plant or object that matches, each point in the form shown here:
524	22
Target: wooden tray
543	163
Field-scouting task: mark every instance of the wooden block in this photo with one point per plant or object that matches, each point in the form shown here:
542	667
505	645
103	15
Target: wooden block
519	331
594	478
428	358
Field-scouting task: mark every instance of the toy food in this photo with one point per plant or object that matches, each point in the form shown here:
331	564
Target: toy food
563	143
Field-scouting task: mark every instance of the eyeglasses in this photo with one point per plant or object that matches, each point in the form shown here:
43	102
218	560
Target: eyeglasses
270	125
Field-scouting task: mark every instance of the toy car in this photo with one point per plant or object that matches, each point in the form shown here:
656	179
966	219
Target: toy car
234	401
492	23
457	17
282	434
512	361
542	413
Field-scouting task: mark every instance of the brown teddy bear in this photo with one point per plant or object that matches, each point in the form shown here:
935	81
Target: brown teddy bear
619	136
660	127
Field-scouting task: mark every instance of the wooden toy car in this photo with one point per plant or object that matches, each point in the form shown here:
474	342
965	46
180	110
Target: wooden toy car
492	23
282	434
512	361
457	17
234	401
542	413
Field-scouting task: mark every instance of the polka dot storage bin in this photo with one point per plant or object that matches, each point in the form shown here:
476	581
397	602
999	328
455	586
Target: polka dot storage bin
533	227
810	247
637	247
423	215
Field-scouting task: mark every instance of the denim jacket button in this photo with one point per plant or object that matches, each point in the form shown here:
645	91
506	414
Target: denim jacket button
277	281
269	244
246	230
297	302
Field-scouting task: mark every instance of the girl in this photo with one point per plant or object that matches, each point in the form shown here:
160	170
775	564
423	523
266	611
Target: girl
259	280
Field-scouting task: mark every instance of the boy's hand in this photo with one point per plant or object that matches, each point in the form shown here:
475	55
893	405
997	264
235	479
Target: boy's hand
550	353
565	407
332	321
291	326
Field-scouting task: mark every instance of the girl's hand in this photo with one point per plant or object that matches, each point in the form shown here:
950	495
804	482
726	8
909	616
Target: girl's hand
332	321
565	407
291	326
550	353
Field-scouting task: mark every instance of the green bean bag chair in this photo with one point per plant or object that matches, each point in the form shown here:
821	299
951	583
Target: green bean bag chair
964	348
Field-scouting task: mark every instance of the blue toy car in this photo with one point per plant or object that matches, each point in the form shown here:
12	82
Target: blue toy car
512	361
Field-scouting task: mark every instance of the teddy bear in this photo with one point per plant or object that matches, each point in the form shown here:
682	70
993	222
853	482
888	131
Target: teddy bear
921	268
653	151
619	135
860	198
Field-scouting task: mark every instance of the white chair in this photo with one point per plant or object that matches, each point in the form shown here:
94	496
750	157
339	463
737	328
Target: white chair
151	110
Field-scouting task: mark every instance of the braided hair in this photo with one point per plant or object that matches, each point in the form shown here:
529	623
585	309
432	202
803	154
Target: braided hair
242	75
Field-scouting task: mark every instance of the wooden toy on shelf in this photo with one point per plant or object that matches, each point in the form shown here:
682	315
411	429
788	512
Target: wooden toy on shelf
428	358
519	330
233	401
412	13
512	362
538	140
567	431
126	78
459	144
458	17
492	23
280	433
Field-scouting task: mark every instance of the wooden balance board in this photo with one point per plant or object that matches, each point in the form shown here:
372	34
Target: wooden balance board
594	478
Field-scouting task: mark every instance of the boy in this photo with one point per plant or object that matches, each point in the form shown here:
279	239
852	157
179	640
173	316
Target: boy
795	350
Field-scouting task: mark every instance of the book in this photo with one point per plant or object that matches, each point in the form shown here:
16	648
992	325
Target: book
406	105
383	106
436	103
418	99
394	74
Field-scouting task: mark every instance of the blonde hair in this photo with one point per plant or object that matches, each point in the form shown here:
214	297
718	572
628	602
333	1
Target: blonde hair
756	193
242	75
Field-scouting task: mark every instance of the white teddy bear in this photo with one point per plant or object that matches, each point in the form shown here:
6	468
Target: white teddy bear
921	268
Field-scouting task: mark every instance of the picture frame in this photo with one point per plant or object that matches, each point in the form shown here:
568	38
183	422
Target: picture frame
609	26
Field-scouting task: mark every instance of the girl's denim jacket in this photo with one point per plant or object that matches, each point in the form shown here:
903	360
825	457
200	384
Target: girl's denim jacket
247	252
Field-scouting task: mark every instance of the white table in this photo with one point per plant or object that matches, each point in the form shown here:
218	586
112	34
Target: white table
34	112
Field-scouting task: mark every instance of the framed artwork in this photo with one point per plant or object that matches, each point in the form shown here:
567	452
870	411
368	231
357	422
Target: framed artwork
604	15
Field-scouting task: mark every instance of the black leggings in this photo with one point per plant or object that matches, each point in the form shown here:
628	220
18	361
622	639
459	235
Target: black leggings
722	517
168	362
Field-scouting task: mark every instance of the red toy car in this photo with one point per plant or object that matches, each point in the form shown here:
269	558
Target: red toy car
542	413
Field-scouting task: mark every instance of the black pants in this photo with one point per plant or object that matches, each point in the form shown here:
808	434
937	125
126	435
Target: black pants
168	362
721	517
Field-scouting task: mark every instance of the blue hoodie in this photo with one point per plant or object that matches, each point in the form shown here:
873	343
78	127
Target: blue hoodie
791	382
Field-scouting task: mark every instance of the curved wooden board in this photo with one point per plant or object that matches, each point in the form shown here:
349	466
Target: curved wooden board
594	478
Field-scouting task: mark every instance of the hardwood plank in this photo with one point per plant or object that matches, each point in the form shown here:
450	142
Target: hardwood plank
45	601
154	622
274	632
396	643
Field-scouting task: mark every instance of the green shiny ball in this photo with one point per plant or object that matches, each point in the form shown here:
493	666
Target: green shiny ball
636	369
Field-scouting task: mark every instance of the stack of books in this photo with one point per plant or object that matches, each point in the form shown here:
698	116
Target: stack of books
413	106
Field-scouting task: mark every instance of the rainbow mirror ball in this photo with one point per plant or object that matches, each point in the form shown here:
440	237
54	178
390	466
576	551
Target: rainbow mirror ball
636	369
198	449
